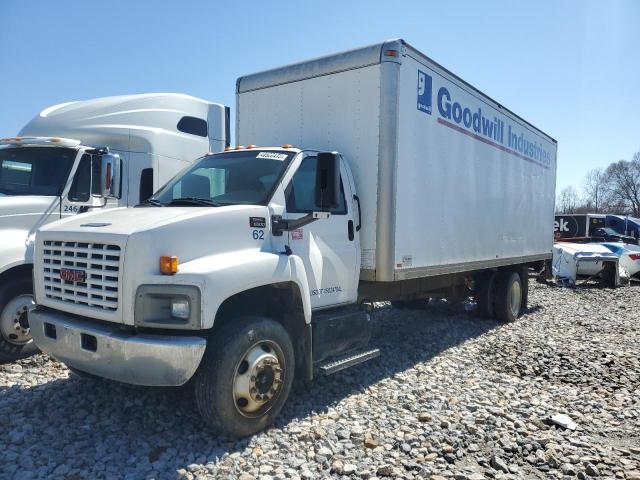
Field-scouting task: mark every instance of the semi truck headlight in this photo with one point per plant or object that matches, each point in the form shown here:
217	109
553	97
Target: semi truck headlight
168	306
180	308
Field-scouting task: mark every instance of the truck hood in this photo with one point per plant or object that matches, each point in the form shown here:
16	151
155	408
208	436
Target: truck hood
128	220
199	236
190	232
23	212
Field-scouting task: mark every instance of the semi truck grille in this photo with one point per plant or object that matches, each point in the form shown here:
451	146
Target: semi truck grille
82	273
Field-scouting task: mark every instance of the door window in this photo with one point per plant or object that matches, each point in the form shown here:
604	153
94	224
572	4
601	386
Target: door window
301	192
81	187
146	184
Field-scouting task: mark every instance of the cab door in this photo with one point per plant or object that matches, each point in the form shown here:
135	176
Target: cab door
328	247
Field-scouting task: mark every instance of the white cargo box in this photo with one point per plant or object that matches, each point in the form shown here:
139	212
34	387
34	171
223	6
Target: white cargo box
449	180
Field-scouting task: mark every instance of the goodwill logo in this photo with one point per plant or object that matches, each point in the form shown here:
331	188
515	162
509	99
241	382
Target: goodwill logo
486	127
424	92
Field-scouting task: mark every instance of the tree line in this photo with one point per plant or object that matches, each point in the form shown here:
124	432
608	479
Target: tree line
615	190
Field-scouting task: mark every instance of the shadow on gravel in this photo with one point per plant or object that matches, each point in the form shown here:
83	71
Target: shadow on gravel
84	421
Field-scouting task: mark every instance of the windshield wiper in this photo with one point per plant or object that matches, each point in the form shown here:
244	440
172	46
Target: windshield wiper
194	201
151	201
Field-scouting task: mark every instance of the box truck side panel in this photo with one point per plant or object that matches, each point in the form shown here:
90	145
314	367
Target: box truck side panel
467	194
338	111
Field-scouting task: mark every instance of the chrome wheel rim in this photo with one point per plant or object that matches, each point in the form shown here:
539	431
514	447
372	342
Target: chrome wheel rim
14	324
258	379
515	298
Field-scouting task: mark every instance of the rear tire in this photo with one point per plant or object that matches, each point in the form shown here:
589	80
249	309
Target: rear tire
15	337
484	286
245	376
508	295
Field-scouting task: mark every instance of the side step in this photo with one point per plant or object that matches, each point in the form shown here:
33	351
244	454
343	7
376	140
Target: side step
347	361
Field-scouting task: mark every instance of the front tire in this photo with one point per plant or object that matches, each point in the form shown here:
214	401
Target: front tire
15	336
245	376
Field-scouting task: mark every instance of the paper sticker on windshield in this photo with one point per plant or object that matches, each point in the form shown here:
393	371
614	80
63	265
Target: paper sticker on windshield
272	155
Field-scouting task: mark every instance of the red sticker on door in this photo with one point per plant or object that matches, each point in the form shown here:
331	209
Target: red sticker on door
296	234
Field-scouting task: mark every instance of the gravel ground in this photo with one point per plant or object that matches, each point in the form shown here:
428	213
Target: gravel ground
451	396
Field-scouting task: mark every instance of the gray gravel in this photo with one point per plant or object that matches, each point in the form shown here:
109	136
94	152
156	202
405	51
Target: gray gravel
452	396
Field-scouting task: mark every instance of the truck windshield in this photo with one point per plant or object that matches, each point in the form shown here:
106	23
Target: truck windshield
35	170
245	177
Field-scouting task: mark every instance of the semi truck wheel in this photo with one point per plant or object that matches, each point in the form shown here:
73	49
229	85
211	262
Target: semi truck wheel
508	295
15	337
245	376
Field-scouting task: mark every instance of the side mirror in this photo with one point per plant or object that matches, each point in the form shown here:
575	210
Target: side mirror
110	176
327	180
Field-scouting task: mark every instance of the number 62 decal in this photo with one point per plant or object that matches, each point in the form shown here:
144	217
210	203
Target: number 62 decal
258	234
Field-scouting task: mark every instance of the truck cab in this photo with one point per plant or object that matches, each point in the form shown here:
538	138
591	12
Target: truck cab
54	169
267	235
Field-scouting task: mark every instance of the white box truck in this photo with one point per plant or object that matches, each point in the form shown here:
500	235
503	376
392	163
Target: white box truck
53	169
259	265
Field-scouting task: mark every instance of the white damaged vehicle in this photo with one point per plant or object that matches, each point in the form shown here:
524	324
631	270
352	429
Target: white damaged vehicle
573	260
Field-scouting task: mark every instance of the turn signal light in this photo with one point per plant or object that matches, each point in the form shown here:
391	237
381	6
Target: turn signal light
251	145
287	145
168	265
240	147
391	53
226	149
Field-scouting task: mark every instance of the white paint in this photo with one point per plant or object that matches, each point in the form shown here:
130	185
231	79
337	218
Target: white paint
334	112
457	199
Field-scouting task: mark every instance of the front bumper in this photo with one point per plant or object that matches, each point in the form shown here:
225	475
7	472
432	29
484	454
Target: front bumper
106	351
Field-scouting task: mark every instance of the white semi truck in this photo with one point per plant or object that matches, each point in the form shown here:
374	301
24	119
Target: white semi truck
259	265
54	169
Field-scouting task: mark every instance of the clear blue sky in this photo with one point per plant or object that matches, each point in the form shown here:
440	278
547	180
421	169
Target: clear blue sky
572	68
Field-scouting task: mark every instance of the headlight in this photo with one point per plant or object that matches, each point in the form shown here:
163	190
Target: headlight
180	308
168	306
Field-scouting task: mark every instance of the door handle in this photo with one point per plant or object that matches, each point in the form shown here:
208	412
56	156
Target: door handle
357	199
350	230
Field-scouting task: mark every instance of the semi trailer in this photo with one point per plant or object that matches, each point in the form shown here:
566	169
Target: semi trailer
593	227
261	264
578	225
59	161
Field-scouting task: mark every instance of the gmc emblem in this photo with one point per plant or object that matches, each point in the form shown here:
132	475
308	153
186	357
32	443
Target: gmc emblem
71	275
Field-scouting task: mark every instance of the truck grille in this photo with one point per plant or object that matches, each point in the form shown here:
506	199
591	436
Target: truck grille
101	266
